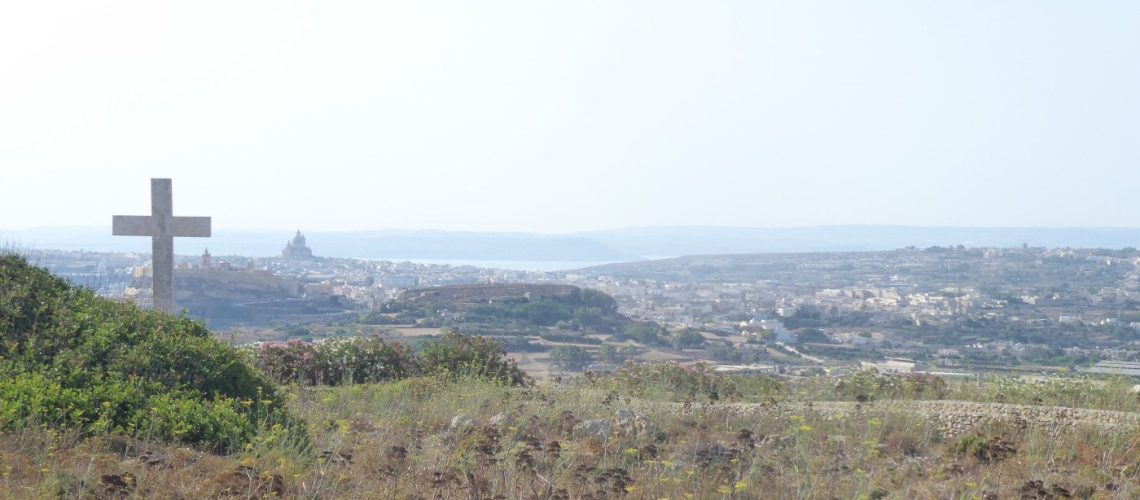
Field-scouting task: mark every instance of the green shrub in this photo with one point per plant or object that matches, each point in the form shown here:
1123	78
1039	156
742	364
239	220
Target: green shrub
868	385
71	359
357	360
455	355
334	361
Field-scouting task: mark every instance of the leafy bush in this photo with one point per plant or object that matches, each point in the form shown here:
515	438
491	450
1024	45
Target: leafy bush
71	359
334	361
363	359
868	385
370	359
455	355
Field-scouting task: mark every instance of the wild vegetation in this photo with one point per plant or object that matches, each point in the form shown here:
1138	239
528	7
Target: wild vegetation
503	309
72	360
349	360
642	432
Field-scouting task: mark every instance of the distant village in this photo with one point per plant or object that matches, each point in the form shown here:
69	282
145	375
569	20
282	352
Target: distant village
953	310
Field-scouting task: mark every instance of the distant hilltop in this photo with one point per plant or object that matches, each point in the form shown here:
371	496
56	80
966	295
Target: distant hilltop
597	246
465	296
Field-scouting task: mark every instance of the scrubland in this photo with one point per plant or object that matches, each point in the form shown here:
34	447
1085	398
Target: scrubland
646	432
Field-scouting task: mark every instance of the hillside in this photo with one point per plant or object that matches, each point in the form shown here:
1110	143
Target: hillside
227	298
643	432
935	267
76	361
507	308
466	297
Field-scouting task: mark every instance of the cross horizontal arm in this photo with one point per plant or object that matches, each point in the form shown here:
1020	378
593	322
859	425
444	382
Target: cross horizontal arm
132	225
190	226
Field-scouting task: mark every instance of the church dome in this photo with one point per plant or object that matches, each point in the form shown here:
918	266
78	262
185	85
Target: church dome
296	248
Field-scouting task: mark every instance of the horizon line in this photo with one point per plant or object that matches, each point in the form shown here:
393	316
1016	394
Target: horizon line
617	229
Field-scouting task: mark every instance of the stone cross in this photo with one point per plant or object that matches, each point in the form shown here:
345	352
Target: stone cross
162	226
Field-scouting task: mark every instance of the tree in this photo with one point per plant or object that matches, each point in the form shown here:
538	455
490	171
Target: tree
688	338
724	352
648	333
812	335
572	358
590	317
608	353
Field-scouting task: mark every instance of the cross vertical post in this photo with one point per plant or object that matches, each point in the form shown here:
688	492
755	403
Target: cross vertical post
162	244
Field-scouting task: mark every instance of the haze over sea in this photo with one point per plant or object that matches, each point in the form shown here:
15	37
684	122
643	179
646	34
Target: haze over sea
546	252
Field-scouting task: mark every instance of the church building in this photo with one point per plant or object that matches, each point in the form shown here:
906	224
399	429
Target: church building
296	249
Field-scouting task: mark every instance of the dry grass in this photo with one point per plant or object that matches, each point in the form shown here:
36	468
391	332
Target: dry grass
422	438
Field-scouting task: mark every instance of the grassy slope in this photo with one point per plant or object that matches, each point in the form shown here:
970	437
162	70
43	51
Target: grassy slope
398	438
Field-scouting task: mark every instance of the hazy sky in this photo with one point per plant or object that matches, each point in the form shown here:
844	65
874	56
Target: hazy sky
572	115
